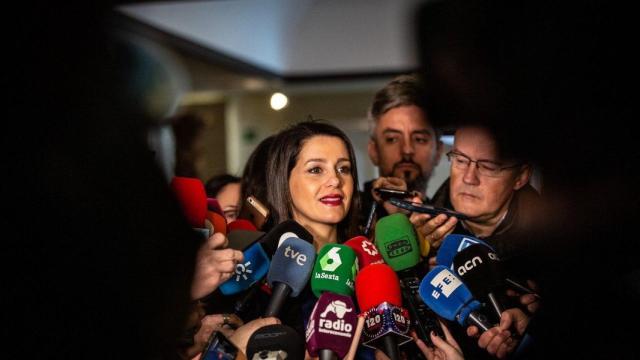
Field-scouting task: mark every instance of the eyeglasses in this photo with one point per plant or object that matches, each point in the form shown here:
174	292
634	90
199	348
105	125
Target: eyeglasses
485	167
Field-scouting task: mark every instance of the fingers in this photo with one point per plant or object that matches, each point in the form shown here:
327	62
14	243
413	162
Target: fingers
437	228
389	183
473	331
428	353
447	335
217	241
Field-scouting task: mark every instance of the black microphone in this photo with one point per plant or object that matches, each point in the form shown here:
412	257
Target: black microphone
480	269
275	342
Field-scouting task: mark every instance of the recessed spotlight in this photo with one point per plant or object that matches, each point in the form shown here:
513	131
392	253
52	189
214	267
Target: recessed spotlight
279	101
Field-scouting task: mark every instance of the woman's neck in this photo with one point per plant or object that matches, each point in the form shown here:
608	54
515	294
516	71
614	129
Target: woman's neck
322	233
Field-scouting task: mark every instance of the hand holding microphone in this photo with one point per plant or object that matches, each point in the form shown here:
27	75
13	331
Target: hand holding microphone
498	340
214	265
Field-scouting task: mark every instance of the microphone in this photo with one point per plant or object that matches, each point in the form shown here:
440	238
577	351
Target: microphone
445	293
286	229
397	242
365	250
331	326
386	323
241	234
454	243
218	221
290	270
255	266
214	205
192	198
334	270
275	342
480	269
270	242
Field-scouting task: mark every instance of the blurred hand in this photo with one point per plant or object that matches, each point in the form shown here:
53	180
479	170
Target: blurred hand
214	265
444	349
530	301
390	183
433	229
498	340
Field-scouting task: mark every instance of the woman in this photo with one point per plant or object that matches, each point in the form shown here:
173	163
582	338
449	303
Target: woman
312	179
226	189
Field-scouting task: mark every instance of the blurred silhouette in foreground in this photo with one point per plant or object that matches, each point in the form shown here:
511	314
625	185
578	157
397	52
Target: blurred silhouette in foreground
553	82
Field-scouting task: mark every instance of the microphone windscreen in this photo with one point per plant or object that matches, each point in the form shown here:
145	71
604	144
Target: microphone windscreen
396	241
365	250
214	205
444	292
479	268
192	198
274	339
251	270
286	229
331	325
386	320
376	284
241	239
454	243
218	221
334	270
241	224
292	264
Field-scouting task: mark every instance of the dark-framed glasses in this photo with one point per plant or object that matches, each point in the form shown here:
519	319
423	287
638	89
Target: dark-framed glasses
485	167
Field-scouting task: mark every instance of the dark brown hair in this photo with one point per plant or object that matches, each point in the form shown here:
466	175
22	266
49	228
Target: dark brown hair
284	154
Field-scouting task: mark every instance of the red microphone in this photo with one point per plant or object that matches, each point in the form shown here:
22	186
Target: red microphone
192	198
241	224
376	284
366	251
218	221
386	323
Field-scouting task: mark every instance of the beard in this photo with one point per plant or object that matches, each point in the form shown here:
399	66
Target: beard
416	180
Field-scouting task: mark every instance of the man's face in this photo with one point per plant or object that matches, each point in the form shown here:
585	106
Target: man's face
404	145
484	198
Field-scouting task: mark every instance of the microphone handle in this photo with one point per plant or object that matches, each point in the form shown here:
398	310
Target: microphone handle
495	304
390	347
240	305
326	354
372	213
479	320
279	295
522	288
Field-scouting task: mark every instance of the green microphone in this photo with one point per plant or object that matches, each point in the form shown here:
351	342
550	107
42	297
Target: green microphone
396	241
334	270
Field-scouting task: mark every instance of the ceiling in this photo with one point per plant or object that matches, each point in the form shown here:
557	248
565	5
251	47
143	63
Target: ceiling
294	41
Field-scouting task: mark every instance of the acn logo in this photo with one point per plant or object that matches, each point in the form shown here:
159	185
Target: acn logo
469	265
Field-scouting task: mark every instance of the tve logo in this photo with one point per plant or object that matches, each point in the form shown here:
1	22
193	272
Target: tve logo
299	258
331	260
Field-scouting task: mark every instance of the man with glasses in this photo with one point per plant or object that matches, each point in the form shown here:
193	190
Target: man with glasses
491	188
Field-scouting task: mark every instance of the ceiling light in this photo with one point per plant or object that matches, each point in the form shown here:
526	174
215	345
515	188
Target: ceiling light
279	101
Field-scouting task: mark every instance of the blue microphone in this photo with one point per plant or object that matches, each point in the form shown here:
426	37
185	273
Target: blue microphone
290	270
445	294
453	244
255	266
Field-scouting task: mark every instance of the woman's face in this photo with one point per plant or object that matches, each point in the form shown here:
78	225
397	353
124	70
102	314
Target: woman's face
321	182
229	199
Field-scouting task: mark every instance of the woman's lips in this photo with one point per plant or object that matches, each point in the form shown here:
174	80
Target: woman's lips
332	200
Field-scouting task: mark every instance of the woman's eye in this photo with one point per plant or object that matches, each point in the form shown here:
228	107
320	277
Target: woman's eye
315	170
344	169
